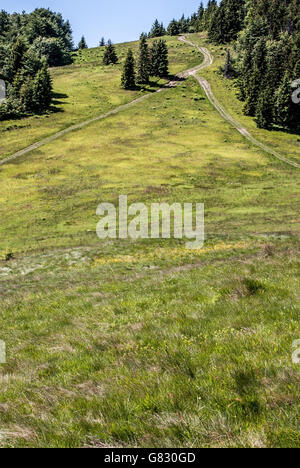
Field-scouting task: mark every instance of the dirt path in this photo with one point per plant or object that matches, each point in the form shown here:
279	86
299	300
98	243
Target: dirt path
208	60
171	84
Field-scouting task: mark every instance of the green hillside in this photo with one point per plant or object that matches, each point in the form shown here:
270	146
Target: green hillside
144	343
86	89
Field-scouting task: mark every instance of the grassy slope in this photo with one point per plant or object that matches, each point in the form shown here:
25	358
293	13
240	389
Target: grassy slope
84	90
145	343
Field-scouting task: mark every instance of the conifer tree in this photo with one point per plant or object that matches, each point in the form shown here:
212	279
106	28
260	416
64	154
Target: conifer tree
26	103
228	68
287	112
41	90
102	42
128	76
265	109
200	17
144	62
110	55
210	11
159	59
173	28
82	44
157	29
256	78
183	25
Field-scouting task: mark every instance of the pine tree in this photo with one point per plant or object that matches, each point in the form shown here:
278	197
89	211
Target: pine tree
128	76
287	112
41	90
157	29
173	28
144	62
265	109
26	103
256	83
200	17
159	59
210	11
110	55
102	42
228	68
183	25
82	44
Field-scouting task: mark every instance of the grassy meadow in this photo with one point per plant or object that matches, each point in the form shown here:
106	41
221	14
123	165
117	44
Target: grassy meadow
84	90
144	343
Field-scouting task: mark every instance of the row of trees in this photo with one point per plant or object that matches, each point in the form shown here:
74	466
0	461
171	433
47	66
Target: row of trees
199	21
223	22
83	44
151	62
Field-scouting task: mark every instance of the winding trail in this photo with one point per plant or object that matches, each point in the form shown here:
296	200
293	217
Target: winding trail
208	61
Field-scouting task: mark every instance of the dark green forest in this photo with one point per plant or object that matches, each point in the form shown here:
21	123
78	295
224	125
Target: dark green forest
29	44
265	35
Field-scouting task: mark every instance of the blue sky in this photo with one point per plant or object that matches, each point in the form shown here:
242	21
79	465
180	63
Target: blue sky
120	20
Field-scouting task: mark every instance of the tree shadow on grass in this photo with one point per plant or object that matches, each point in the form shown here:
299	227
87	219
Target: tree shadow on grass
154	85
289	130
57	100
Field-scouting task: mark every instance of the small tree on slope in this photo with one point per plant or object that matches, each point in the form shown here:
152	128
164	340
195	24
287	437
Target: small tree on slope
159	59
110	56
82	43
144	62
128	77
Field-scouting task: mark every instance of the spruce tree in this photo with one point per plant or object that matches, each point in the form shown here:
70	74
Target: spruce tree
102	42
200	16
110	55
82	44
228	68
26	102
265	109
41	90
157	29
128	76
144	62
159	59
287	112
256	78
173	28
